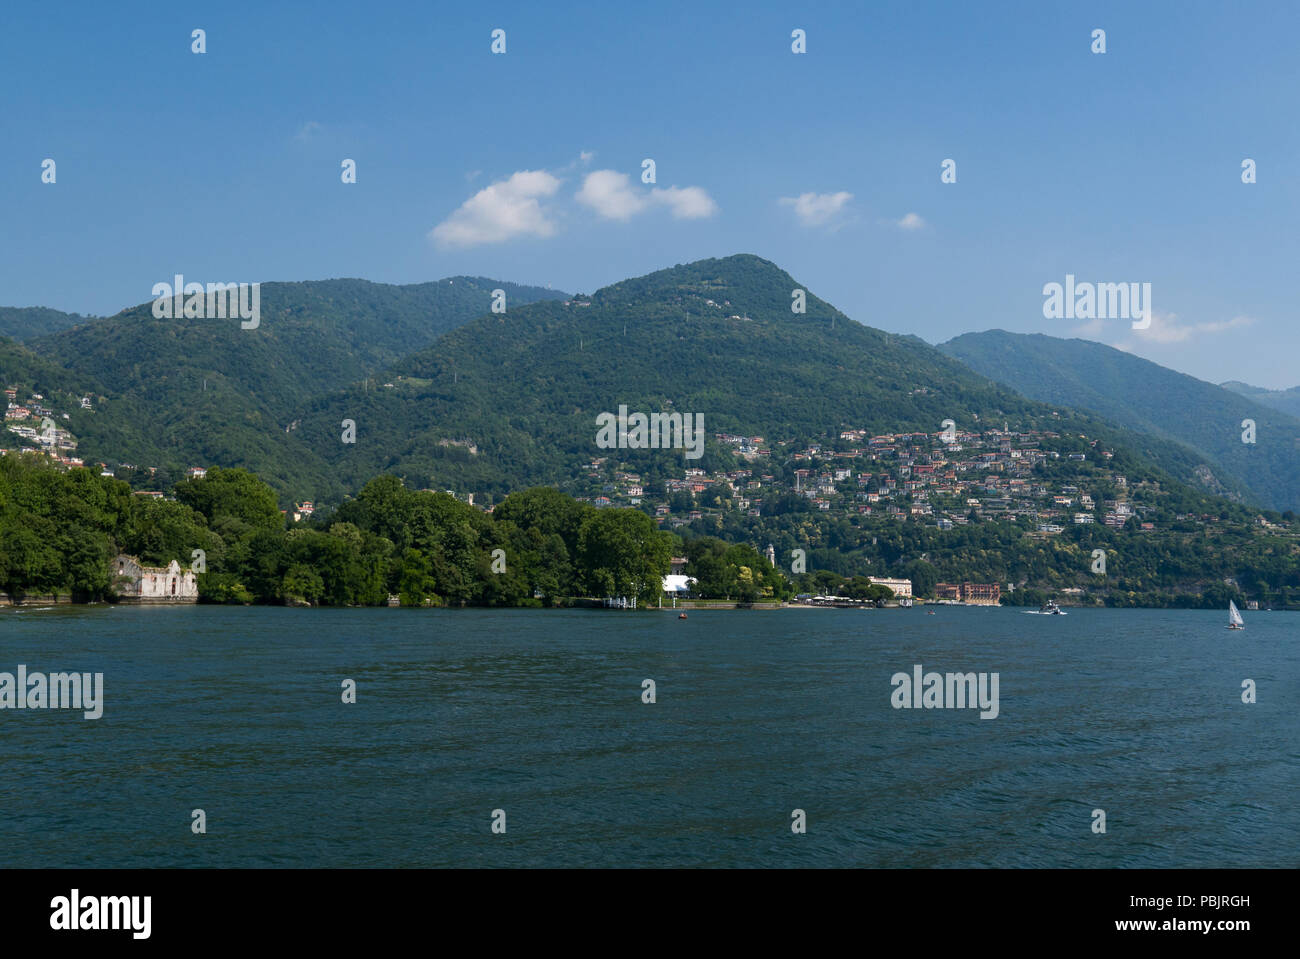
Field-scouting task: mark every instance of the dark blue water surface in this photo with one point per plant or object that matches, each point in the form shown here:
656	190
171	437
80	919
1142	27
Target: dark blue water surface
238	712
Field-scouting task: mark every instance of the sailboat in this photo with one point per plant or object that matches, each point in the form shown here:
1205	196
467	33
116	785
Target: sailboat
1234	617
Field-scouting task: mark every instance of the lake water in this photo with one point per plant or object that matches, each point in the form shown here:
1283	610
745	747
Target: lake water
539	713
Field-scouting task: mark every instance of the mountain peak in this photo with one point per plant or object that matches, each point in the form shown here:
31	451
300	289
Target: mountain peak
743	285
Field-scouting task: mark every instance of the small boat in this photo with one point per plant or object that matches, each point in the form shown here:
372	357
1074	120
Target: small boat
1051	609
1234	617
681	615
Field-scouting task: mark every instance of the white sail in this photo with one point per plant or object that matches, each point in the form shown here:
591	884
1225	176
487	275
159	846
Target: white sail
1234	617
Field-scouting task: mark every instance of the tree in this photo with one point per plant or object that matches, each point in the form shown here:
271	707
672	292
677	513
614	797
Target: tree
29	562
622	553
546	510
924	576
302	582
415	585
234	496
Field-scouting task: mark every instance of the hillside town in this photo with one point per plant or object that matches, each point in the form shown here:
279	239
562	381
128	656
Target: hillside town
943	479
35	423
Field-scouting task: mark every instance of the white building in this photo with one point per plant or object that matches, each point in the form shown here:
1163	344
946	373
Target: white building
154	584
901	587
677	584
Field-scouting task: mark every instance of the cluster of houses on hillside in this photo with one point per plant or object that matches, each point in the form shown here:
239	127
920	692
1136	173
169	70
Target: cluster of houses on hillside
945	479
750	447
35	423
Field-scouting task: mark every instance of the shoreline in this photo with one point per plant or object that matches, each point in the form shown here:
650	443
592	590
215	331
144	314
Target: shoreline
62	602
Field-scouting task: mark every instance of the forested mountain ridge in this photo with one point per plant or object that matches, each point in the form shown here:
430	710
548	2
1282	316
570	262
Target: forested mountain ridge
1287	401
716	337
506	400
29	372
181	392
24	323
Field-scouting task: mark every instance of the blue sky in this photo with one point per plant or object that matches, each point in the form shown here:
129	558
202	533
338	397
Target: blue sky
1115	167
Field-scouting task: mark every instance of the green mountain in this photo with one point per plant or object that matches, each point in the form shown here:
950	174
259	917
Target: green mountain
512	400
1143	396
28	322
1286	401
179	392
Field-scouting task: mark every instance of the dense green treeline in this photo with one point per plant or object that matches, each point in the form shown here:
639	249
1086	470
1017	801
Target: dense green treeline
1178	564
60	529
733	571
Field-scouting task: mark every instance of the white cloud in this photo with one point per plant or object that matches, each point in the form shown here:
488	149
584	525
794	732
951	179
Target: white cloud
687	203
583	158
614	196
1165	328
501	211
514	207
308	130
910	222
815	209
1092	328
